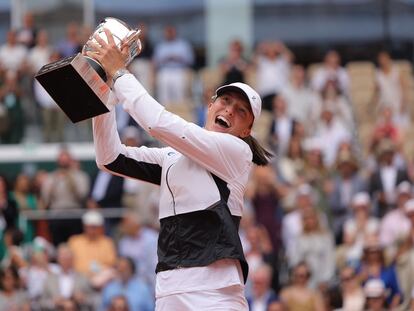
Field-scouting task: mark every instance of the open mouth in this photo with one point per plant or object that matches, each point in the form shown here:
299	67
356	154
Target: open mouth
222	122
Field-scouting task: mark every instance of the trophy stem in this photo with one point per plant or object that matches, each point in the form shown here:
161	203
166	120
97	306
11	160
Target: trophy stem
97	67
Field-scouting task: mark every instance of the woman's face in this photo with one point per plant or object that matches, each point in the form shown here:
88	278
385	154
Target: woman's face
9	281
23	183
301	275
231	114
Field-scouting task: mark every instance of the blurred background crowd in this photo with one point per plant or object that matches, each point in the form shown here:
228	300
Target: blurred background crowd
329	225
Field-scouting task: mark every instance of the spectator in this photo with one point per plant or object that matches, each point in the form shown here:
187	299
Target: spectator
12	54
25	201
39	55
272	64
13	254
281	128
262	295
331	129
94	253
373	266
315	246
300	99
290	168
316	171
53	118
342	188
331	96
298	296
140	244
233	66
264	196
352	293
142	67
375	293
27	35
65	283
119	303
70	45
331	70
8	209
127	284
12	130
172	58
384	180
390	90
12	295
360	218
395	223
34	275
64	189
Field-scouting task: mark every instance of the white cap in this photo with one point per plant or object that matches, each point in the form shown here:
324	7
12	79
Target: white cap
409	206
374	288
404	187
251	95
361	198
92	218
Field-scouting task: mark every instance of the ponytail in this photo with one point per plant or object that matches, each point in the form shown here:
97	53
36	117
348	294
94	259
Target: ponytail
260	155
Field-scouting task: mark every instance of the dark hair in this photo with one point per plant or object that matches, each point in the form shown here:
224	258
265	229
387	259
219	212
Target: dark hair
131	263
261	156
14	273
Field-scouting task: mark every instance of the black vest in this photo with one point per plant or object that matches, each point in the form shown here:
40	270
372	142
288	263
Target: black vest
199	238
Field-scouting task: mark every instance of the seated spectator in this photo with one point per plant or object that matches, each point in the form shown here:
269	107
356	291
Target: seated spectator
262	294
12	294
390	86
375	293
27	35
331	129
14	253
298	296
139	243
373	266
360	217
12	54
233	66
272	66
316	171
352	293
39	55
70	44
34	275
25	200
94	253
301	100
8	209
349	253
119	303
331	96
126	283
395	223
172	58
281	128
65	284
387	176
315	246
331	70
342	188
290	168
11	112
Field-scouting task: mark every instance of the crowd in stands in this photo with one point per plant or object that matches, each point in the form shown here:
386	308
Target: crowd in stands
329	225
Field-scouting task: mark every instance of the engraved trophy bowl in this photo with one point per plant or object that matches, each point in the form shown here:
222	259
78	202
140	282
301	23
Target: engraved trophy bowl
78	83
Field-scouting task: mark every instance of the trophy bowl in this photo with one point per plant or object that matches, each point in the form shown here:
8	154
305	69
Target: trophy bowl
121	33
78	83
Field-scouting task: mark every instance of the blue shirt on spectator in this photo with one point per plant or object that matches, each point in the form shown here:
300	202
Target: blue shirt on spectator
136	292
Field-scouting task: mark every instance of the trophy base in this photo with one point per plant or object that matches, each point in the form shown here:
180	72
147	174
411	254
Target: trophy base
76	87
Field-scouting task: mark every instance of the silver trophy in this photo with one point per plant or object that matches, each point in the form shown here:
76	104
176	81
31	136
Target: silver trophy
78	83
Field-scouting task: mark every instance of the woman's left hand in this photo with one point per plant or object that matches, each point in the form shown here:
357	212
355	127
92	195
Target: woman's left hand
108	54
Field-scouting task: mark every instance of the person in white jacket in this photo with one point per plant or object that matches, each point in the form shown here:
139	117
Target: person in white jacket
202	174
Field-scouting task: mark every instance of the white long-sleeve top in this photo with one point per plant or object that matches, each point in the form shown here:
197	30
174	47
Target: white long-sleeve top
183	170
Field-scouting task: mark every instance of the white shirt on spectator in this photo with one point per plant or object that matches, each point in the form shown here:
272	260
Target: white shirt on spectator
394	226
271	75
390	91
38	56
324	74
300	102
42	97
12	57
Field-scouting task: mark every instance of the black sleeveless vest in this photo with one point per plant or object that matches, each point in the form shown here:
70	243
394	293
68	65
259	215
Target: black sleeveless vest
199	238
